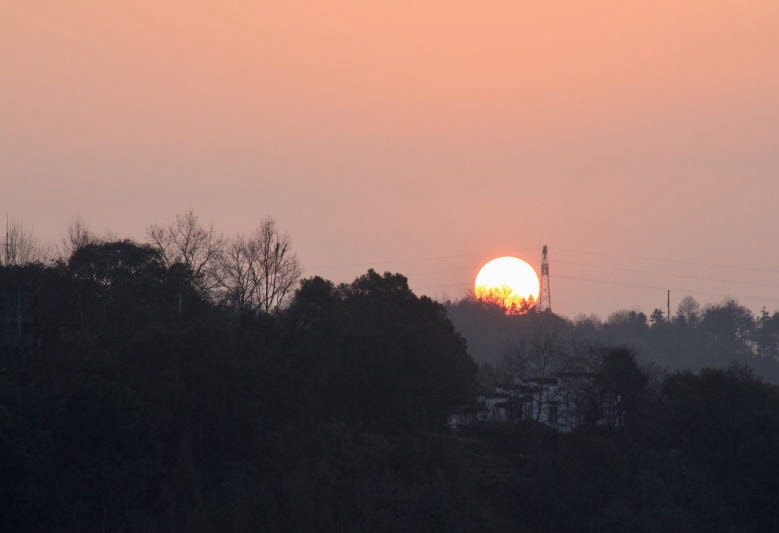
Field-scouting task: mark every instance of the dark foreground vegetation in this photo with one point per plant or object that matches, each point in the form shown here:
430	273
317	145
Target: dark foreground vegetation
131	401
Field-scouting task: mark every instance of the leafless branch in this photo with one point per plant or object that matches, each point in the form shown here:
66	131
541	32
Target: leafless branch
20	247
186	241
78	235
258	272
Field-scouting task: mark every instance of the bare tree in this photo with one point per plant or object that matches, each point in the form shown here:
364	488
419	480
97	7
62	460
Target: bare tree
77	236
536	360
19	246
186	241
688	311
540	349
505	297
280	269
258	272
237	273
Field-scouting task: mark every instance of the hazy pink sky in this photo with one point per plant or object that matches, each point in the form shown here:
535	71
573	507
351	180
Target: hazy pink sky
639	142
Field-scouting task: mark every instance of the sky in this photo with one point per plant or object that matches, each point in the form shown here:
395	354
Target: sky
638	140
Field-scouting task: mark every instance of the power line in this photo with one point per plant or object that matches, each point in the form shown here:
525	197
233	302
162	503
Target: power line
654	272
675	261
416	259
658	288
640	271
588	265
619	284
570	250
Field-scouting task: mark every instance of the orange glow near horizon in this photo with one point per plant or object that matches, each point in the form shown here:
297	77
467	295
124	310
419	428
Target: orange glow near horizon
508	282
335	117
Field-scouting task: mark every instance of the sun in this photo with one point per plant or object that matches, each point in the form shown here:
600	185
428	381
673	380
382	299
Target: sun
509	282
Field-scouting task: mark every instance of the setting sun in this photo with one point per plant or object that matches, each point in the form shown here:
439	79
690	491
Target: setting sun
509	282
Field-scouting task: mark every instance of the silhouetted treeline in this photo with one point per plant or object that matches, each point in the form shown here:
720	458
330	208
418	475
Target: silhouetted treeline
697	453
131	400
715	336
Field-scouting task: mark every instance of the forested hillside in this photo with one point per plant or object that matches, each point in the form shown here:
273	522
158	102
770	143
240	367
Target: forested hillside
132	400
692	338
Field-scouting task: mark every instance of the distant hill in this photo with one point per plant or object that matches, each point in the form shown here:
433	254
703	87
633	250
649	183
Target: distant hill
715	336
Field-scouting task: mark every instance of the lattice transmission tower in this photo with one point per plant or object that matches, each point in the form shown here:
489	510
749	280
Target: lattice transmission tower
545	298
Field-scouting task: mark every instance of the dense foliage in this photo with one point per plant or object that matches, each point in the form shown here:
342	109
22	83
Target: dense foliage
130	402
693	337
127	400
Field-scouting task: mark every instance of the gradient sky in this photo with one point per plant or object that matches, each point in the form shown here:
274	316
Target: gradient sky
640	141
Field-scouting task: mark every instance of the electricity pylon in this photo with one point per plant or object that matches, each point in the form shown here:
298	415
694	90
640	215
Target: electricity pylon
545	298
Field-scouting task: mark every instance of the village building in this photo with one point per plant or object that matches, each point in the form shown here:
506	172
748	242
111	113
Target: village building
559	401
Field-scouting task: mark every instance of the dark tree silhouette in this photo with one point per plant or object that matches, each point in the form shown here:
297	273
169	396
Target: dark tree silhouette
77	236
258	272
188	242
18	246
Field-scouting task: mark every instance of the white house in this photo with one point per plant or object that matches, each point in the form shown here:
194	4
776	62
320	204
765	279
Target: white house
560	401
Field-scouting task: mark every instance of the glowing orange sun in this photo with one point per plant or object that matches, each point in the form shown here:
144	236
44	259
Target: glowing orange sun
508	282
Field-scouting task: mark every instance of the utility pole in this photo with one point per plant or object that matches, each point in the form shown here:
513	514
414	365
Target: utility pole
6	244
5	259
545	298
668	306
